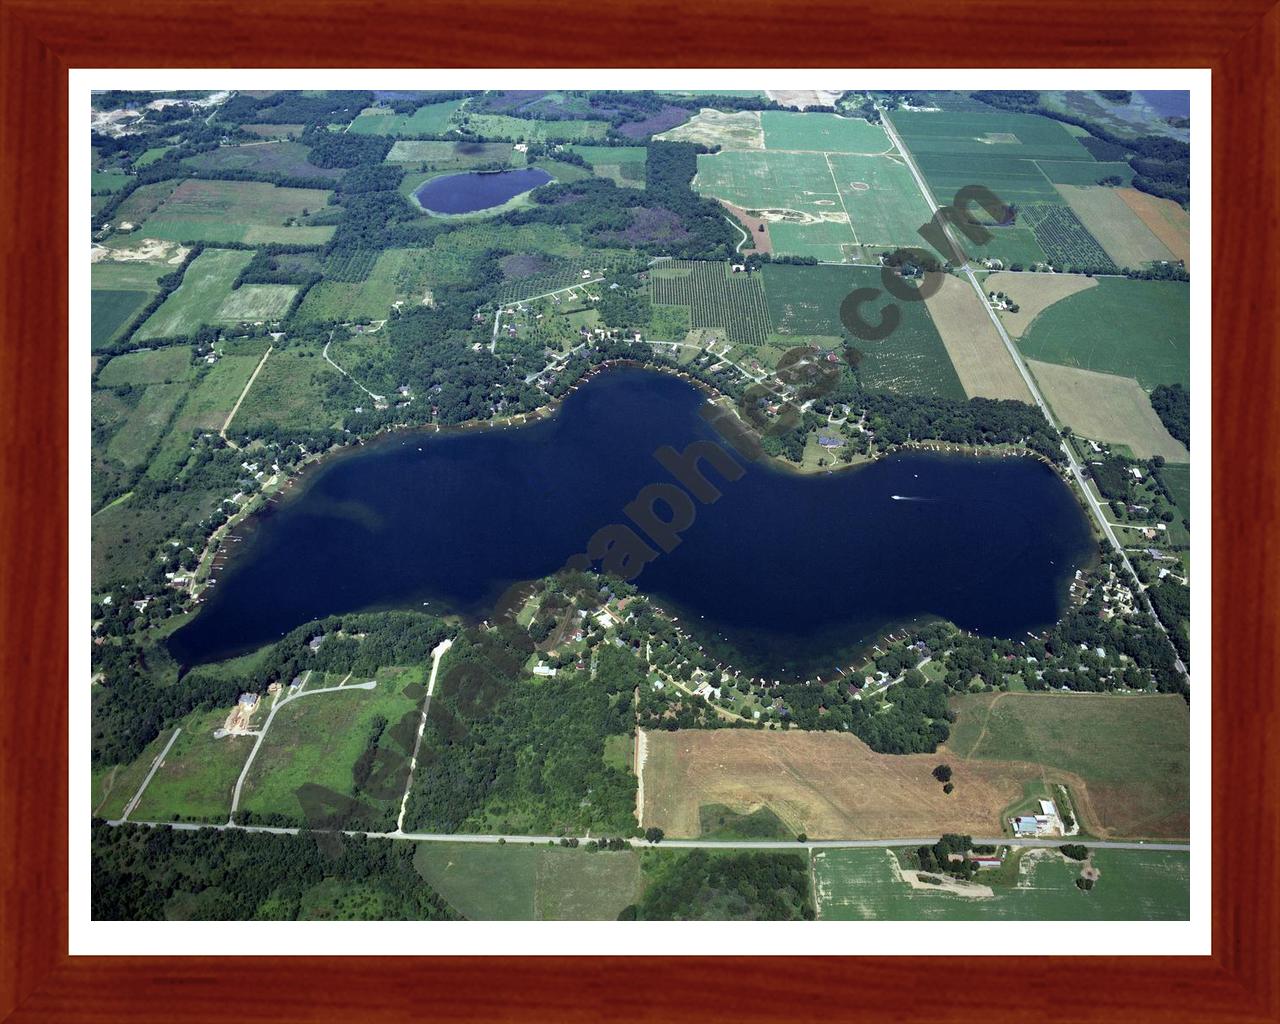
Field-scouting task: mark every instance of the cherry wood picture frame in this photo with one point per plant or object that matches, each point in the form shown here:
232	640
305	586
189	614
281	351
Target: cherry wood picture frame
41	39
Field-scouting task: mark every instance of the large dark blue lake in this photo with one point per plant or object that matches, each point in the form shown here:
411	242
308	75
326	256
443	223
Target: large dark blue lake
795	572
475	190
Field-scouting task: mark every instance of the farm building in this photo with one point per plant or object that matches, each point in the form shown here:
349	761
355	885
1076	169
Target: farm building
1025	825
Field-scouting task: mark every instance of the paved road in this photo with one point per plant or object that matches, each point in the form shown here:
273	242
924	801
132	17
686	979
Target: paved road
1076	470
682	844
155	766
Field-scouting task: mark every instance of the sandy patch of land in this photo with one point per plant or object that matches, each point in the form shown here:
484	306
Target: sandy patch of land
1105	407
148	250
1168	221
826	784
739	130
750	224
983	364
804	98
1033	293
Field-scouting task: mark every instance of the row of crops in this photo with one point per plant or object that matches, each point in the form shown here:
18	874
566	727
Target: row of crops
1063	238
716	297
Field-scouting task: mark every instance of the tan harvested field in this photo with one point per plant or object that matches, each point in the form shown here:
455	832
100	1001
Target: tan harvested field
749	223
714	128
1034	293
983	364
1105	407
828	785
1114	224
1168	221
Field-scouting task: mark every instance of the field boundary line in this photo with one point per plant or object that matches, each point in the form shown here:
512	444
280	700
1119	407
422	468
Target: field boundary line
236	408
831	170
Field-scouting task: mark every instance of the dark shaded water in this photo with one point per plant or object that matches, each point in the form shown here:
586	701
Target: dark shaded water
794	571
472	191
1169	102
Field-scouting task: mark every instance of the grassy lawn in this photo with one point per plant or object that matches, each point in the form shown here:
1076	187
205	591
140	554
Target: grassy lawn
317	739
198	774
1132	752
866	885
157	366
114	787
511	882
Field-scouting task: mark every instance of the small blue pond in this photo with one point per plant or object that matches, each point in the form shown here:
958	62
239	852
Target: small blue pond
477	190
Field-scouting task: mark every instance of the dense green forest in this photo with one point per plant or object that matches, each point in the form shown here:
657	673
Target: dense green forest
705	886
154	874
505	753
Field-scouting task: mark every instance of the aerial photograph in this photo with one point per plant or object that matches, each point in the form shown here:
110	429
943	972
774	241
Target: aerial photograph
639	505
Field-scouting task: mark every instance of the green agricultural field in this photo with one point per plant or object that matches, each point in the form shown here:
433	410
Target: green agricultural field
867	885
432	119
107	182
397	275
238	211
819	204
151	155
595	155
804	306
1178	480
880	196
253	303
156	366
291	391
1130	328
716	298
132	443
1131	751
1082	172
516	129
625	165
198	775
206	408
142	201
110	312
211	400
317	739
450	154
198	300
515	882
288	159
822	133
129	275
